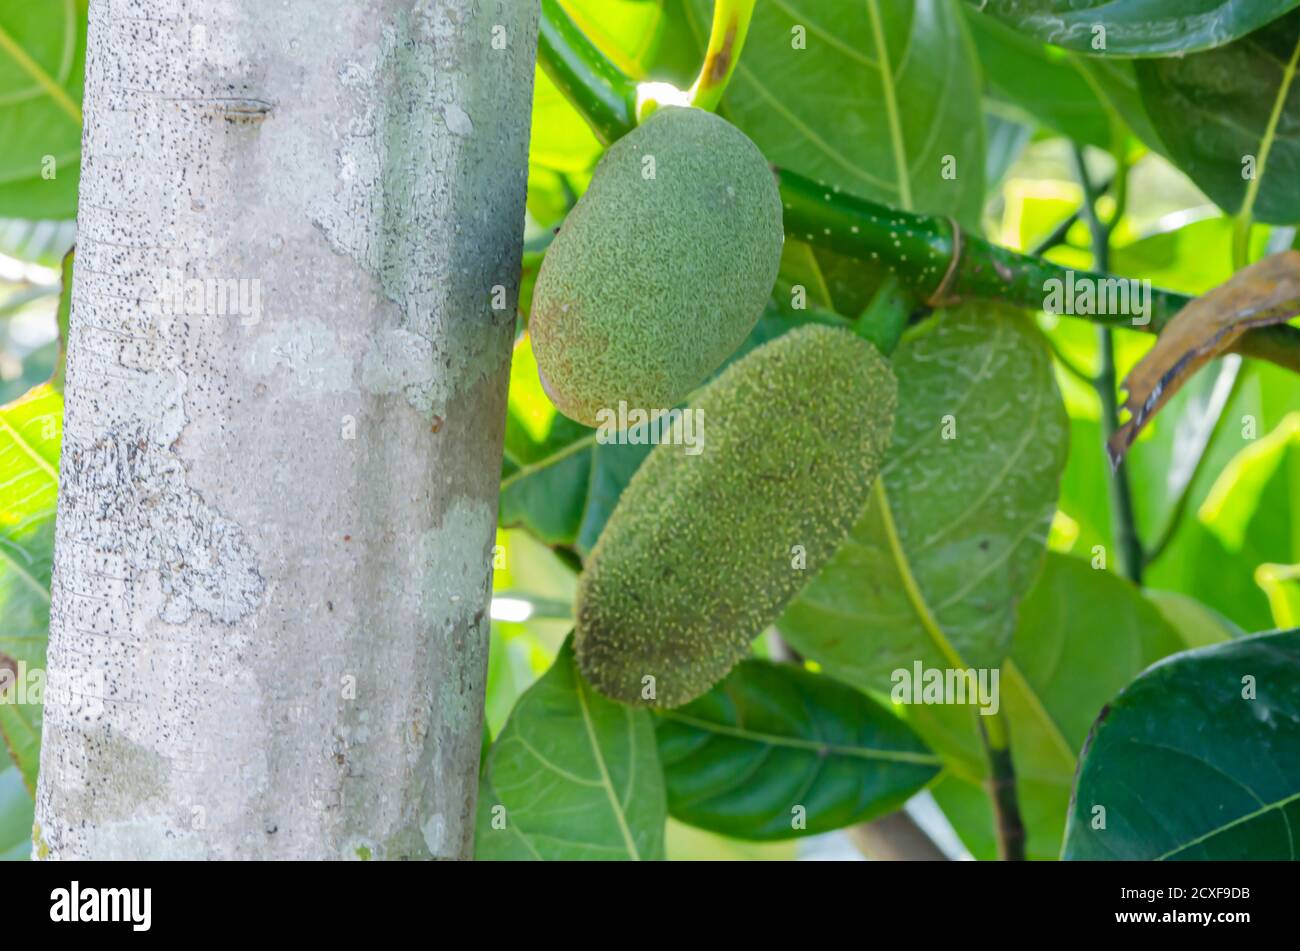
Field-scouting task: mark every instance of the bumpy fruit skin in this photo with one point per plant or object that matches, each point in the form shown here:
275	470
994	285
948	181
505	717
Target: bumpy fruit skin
653	282
699	555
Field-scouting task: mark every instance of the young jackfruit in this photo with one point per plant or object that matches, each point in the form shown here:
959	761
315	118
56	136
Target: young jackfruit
660	270
705	551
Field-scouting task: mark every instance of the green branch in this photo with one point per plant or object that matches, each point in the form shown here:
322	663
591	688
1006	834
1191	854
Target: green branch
931	255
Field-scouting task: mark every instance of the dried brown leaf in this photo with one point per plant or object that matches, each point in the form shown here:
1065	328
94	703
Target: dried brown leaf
1267	292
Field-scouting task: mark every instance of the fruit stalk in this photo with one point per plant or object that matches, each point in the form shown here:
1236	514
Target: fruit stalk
726	40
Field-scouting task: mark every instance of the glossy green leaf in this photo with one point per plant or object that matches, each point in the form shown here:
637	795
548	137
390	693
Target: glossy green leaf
871	96
17	811
1198	758
777	752
954	534
1215	114
1082	635
1135	27
572	776
31	430
1040	81
42	65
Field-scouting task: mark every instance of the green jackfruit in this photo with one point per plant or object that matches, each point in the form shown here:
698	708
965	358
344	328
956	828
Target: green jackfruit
660	270
704	551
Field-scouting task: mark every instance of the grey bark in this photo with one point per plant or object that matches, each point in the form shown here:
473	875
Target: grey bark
297	268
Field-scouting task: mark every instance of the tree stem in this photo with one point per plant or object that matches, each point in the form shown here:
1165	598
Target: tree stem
1009	826
896	837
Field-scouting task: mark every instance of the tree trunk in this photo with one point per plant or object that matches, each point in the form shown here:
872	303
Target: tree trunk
297	268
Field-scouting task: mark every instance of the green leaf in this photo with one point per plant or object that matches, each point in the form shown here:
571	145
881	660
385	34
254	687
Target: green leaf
1196	625
955	532
1230	119
774	742
31	430
1040	81
1281	584
1007	139
1135	27
874	100
42	65
572	776
1115	82
17	814
1192	258
1198	758
1082	635
1249	506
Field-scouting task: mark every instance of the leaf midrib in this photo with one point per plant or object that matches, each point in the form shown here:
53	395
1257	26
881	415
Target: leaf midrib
910	586
58	95
1218	830
1270	133
890	94
605	779
792	742
28	449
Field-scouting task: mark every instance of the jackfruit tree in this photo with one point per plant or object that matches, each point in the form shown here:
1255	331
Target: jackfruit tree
892	449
